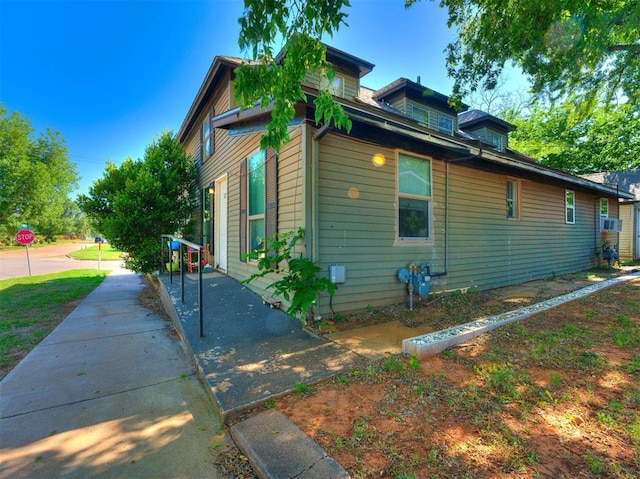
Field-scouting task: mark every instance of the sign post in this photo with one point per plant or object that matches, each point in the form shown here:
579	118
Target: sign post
26	237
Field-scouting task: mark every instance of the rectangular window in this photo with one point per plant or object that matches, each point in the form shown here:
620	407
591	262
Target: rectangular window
445	124
207	135
420	114
256	201
512	199
604	208
570	206
414	198
336	87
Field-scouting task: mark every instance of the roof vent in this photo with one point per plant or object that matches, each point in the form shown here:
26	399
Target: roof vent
418	80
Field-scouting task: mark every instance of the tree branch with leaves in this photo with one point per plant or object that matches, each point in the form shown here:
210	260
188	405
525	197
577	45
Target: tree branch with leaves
271	77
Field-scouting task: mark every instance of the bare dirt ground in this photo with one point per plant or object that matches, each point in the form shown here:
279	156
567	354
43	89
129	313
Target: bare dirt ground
553	396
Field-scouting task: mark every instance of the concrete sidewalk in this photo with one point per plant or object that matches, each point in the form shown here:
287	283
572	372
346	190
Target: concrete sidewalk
107	394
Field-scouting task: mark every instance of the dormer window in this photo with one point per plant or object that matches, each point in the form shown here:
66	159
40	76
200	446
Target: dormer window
431	118
420	115
422	104
445	124
336	87
490	129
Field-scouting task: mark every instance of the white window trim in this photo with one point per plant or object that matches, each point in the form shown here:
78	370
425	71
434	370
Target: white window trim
516	199
604	201
567	207
407	241
332	87
250	217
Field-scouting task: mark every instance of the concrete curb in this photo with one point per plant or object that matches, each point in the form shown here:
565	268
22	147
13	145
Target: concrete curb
434	343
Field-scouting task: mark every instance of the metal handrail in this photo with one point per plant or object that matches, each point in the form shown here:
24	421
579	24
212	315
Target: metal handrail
191	245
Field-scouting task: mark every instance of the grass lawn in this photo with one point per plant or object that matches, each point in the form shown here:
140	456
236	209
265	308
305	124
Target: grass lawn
556	395
91	253
32	306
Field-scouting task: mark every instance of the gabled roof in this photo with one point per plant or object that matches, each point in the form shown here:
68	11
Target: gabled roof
415	91
372	110
219	67
474	118
349	62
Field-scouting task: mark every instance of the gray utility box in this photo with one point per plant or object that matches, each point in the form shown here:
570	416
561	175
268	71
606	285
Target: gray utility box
337	273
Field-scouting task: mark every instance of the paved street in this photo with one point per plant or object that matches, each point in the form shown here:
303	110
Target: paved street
47	259
109	393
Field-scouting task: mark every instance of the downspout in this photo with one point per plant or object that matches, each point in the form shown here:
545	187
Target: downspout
310	192
446	211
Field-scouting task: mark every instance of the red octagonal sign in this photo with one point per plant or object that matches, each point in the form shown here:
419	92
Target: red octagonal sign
25	236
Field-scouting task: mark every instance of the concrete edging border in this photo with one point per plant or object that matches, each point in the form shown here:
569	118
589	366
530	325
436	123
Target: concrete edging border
433	343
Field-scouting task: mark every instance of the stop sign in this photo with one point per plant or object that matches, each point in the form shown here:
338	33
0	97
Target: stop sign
25	236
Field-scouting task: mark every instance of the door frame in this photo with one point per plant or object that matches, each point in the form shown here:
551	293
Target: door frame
220	222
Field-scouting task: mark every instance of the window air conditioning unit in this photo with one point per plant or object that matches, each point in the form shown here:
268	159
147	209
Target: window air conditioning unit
611	224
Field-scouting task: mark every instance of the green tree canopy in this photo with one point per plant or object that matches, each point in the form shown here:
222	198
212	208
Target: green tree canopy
591	49
560	137
271	79
36	176
136	202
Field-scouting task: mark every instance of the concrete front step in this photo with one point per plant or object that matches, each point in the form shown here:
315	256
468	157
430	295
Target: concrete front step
278	449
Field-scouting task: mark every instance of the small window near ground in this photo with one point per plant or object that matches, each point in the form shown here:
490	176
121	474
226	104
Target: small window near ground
513	205
570	206
414	198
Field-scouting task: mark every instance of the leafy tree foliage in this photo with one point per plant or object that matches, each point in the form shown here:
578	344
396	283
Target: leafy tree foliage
564	46
562	138
135	203
36	176
269	79
299	279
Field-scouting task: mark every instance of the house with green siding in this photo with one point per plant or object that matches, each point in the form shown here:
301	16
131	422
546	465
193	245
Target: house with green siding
413	182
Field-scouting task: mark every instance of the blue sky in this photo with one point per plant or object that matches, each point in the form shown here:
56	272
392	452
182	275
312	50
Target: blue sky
110	75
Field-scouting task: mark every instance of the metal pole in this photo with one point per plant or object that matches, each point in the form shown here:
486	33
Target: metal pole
200	290
181	272
28	260
170	261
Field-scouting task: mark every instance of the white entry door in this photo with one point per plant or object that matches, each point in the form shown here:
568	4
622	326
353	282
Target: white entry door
220	244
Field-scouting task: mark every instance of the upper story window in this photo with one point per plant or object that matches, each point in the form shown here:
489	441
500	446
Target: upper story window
445	124
431	118
336	87
570	206
414	198
513	203
604	208
498	140
420	114
207	135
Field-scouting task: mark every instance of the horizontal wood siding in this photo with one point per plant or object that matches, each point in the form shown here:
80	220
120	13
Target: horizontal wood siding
357	223
351	83
357	228
627	234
